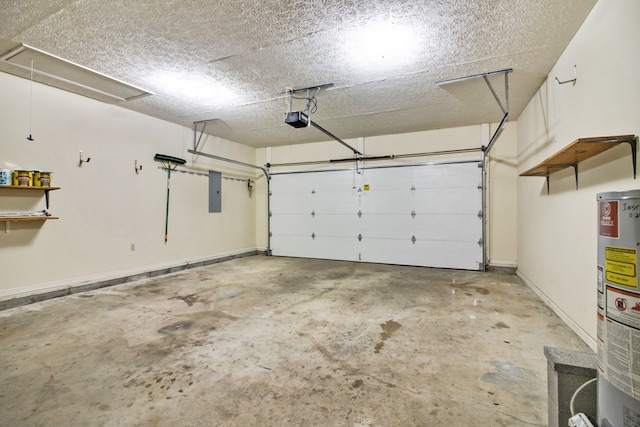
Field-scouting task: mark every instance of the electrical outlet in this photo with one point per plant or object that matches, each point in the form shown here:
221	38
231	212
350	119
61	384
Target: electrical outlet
133	247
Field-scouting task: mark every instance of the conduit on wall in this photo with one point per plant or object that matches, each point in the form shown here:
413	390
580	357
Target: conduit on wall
196	142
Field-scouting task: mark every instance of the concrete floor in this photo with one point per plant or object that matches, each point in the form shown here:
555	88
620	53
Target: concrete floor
266	341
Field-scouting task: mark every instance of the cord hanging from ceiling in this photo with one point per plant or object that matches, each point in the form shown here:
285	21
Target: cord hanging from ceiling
30	138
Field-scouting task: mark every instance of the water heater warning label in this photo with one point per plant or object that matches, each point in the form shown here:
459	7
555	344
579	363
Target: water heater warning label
623	307
621	266
609	219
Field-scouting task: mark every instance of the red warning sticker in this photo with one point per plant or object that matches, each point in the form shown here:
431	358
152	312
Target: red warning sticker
609	219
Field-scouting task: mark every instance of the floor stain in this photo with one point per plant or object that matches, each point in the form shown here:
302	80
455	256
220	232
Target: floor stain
174	327
501	325
188	299
512	378
357	384
388	328
482	291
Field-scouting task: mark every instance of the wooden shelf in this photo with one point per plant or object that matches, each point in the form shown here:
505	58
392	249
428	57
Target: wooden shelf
25	218
24	187
579	150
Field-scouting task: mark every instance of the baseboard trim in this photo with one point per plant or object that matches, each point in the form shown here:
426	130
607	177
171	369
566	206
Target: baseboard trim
561	314
44	294
501	269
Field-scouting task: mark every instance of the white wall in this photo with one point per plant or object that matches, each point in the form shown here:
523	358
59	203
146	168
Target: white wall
104	206
557	233
501	204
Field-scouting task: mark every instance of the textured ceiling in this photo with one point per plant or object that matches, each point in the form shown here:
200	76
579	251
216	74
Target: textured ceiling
243	55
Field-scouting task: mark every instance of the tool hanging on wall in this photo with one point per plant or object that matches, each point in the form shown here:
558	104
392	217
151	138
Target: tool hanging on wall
170	163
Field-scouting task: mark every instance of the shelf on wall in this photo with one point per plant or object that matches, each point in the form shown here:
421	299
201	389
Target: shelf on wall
26	218
25	187
579	150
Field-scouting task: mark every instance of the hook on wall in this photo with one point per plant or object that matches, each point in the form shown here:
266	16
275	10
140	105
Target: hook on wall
82	160
138	167
575	77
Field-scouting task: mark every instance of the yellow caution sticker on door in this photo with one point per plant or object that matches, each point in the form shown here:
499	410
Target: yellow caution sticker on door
621	266
367	187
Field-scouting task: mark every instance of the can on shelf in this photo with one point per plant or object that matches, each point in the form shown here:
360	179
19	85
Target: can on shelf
5	177
42	179
23	178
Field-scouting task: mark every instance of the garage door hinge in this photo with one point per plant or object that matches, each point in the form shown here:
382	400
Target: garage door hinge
480	242
413	188
413	239
480	186
270	214
313	191
313	236
359	214
313	214
359	237
480	214
413	214
270	193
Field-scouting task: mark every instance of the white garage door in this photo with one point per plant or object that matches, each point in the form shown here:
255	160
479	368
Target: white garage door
426	215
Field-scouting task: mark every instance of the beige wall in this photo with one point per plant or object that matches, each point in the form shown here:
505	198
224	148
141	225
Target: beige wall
104	206
557	232
501	197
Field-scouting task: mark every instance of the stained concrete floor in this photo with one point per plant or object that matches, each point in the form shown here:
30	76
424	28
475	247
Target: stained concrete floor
267	341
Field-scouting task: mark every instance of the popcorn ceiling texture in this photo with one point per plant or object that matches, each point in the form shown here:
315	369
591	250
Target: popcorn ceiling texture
257	49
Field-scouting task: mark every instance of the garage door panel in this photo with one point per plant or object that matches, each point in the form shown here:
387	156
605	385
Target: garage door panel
431	176
427	202
327	225
442	228
465	255
295	225
320	247
291	203
336	225
459	255
326	203
432	227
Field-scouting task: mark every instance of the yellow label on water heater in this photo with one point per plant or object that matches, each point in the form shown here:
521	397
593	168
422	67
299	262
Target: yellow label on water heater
621	266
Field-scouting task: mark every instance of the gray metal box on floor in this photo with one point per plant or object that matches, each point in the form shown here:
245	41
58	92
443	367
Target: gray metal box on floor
566	371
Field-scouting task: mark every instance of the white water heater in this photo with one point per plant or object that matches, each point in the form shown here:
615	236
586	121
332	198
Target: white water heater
618	309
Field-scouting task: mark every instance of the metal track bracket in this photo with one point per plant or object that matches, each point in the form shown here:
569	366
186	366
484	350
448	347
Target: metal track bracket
197	138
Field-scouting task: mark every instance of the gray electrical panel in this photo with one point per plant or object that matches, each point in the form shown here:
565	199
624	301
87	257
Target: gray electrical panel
215	192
